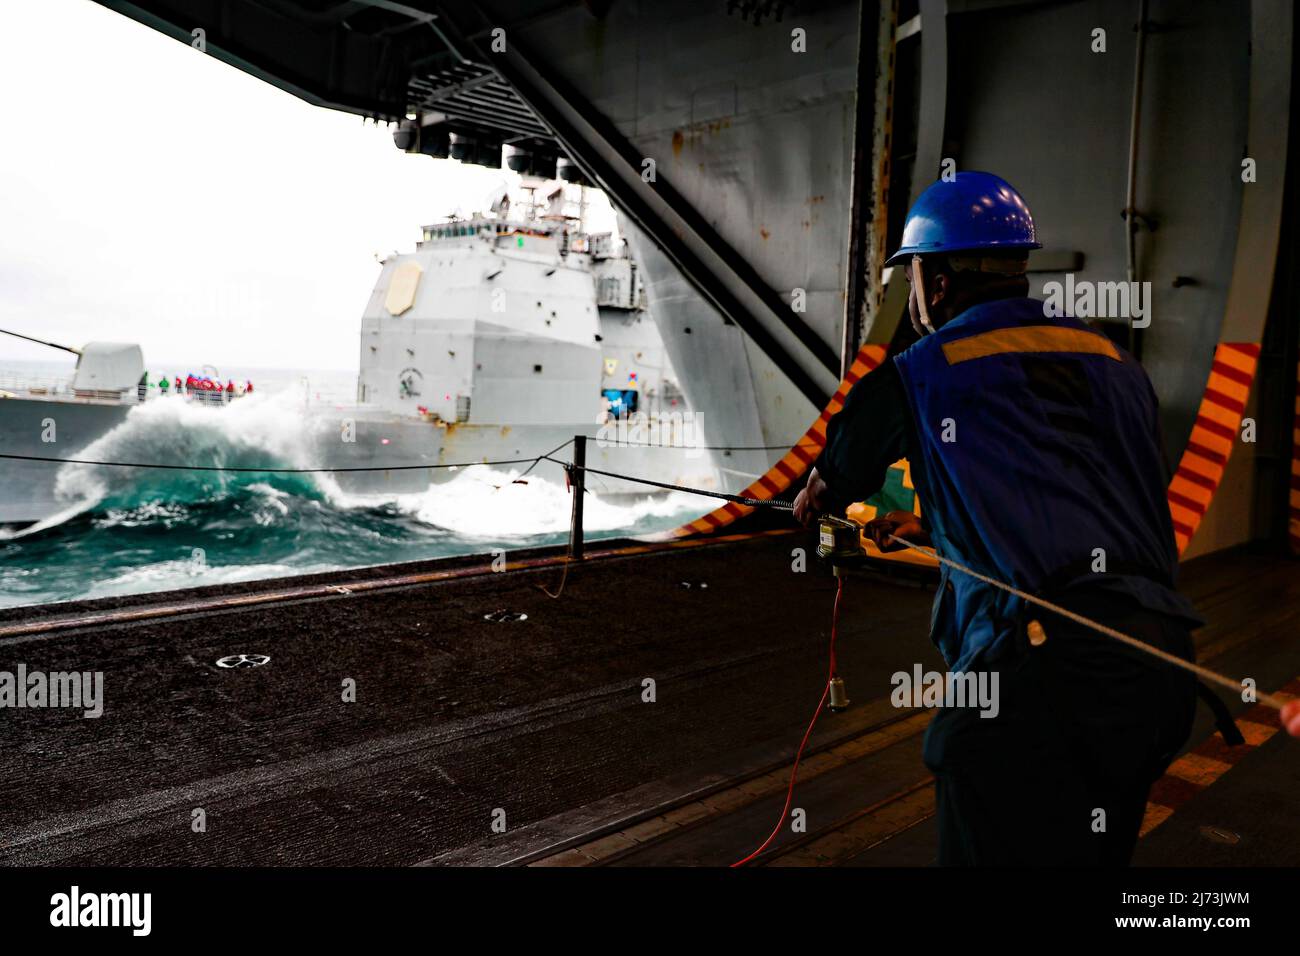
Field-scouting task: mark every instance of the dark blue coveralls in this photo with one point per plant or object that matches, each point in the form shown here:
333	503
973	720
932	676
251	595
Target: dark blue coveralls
1035	451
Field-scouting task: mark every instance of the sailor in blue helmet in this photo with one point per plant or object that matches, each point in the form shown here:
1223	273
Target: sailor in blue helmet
1035	452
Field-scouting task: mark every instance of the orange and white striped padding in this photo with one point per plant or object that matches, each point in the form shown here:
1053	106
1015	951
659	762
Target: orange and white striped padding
1213	437
797	460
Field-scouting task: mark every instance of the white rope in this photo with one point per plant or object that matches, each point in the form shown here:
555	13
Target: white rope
1204	672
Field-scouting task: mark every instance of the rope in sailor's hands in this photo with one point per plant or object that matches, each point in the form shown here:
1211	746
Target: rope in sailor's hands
1272	701
1222	680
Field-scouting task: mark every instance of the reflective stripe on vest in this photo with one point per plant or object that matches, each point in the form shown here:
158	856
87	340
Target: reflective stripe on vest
1031	338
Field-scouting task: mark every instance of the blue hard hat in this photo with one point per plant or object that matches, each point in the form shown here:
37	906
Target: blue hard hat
972	211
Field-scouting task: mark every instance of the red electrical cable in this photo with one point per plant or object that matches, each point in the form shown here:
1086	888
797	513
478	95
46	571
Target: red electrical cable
794	771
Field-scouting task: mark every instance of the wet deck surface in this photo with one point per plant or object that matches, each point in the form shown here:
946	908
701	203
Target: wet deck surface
545	718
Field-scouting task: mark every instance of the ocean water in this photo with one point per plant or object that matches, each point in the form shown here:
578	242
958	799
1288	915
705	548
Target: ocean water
127	531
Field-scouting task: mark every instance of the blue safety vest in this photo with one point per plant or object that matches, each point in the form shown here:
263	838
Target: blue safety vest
1041	467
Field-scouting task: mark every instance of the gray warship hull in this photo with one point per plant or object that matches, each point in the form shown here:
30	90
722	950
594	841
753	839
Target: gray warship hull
402	456
45	429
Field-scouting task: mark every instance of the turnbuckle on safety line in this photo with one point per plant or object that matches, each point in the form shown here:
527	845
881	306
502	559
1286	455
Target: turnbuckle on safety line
839	541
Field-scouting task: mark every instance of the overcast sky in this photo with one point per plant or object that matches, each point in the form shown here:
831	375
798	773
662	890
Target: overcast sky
151	193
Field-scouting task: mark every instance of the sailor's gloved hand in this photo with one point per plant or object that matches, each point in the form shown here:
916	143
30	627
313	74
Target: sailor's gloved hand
811	501
1291	717
904	524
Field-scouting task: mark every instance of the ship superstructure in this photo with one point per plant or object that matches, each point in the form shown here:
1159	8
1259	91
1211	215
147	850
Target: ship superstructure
502	336
492	320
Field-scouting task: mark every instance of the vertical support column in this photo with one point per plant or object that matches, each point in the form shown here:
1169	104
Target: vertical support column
882	149
871	171
577	481
861	179
1293	524
1132	218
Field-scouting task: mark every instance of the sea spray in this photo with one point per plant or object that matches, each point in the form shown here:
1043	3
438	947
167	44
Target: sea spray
259	431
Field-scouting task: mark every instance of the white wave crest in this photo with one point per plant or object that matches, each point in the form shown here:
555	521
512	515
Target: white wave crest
481	502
